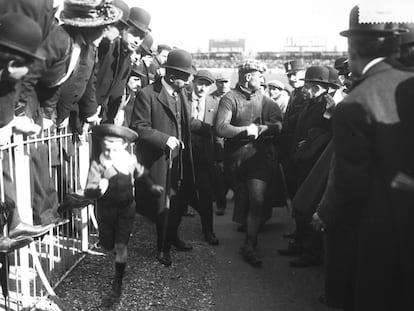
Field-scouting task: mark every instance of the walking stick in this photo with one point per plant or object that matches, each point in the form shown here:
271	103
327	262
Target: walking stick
167	202
285	188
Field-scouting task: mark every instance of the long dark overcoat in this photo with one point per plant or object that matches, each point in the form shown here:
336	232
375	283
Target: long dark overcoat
154	121
373	135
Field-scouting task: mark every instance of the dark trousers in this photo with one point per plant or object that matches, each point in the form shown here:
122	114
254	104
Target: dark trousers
204	183
168	222
220	186
340	266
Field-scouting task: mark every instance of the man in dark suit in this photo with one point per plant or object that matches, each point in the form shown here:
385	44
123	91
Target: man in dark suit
161	117
203	115
115	58
373	136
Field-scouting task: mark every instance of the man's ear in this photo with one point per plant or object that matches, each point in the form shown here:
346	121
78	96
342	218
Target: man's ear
248	76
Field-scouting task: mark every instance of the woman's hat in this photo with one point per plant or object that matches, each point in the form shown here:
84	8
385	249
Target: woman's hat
113	130
21	34
89	13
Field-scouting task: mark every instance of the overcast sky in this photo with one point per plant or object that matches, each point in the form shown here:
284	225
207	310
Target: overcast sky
263	23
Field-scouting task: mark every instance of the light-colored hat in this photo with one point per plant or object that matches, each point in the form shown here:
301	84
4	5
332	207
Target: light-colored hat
250	65
277	84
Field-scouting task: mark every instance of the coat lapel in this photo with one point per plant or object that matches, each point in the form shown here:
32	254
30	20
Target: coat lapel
167	102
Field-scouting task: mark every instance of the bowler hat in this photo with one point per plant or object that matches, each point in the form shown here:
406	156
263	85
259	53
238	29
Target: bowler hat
21	34
113	130
89	13
140	19
123	6
204	74
137	71
294	65
223	76
367	29
146	45
162	47
341	65
333	77
319	74
180	60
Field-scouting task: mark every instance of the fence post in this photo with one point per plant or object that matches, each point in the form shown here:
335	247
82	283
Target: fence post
24	208
84	158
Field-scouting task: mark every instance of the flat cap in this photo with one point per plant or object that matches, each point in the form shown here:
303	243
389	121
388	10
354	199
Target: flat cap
250	65
204	74
223	76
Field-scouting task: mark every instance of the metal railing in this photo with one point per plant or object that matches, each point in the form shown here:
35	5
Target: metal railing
36	269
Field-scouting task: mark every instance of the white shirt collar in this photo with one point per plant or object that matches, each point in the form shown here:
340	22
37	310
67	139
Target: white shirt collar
371	64
167	87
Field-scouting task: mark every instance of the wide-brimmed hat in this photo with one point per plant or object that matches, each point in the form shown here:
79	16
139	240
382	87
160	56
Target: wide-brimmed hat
318	74
367	29
180	60
124	7
204	74
89	13
113	130
140	19
21	34
294	65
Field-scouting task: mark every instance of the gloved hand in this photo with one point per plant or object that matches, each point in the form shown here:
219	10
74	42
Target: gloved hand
252	130
26	125
174	142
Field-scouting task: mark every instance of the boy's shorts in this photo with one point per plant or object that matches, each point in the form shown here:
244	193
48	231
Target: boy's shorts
115	222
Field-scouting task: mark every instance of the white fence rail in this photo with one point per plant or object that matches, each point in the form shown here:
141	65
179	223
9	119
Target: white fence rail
55	253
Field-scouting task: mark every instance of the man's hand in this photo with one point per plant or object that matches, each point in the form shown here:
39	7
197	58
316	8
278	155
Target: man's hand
252	130
157	190
174	142
262	129
103	185
26	125
317	223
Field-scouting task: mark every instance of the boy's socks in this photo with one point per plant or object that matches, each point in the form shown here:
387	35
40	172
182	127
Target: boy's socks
117	282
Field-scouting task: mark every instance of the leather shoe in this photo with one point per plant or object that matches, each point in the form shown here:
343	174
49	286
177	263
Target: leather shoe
182	246
74	200
290	235
26	230
249	255
220	211
305	261
293	249
7	244
164	258
211	238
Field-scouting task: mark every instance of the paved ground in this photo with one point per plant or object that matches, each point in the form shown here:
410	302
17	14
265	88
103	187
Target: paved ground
275	286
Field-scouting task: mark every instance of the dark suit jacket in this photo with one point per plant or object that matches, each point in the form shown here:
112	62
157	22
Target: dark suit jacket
112	76
373	135
154	121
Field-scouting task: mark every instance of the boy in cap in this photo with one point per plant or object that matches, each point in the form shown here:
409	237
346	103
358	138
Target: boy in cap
110	181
